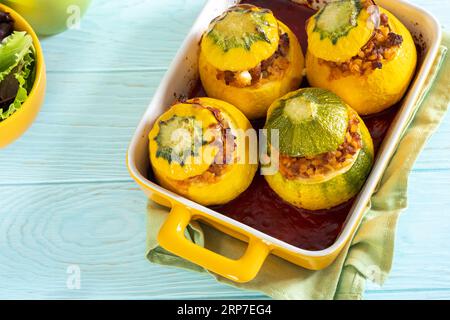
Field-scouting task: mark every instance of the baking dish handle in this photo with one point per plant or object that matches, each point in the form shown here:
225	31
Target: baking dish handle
172	238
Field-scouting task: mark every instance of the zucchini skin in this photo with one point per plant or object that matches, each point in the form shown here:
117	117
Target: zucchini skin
254	101
380	89
329	193
319	136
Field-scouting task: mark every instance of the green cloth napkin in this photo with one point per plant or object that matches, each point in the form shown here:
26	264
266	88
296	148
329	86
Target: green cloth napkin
369	255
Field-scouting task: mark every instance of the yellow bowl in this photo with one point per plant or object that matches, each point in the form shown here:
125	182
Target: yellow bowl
16	125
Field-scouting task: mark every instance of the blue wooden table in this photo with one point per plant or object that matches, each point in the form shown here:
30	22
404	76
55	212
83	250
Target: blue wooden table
68	205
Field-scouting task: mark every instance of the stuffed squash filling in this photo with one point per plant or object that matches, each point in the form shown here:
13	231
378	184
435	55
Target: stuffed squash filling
323	164
270	69
382	47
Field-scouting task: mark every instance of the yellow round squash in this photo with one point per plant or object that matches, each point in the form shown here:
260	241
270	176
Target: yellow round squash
253	100
379	89
187	149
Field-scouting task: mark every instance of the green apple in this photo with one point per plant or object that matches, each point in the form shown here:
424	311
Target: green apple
49	17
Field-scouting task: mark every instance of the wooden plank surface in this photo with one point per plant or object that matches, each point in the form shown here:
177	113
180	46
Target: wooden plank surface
67	200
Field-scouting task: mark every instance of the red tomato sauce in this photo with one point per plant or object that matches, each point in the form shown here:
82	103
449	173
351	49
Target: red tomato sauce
260	207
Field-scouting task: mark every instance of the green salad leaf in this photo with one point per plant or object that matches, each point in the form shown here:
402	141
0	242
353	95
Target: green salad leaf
17	64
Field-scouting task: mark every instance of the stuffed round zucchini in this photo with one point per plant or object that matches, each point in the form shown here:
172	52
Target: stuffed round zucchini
361	52
250	59
325	151
195	151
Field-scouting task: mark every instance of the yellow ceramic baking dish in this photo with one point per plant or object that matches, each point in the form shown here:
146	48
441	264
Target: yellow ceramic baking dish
13	127
172	233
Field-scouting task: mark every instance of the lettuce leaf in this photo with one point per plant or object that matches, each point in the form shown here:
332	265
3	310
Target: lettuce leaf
17	60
